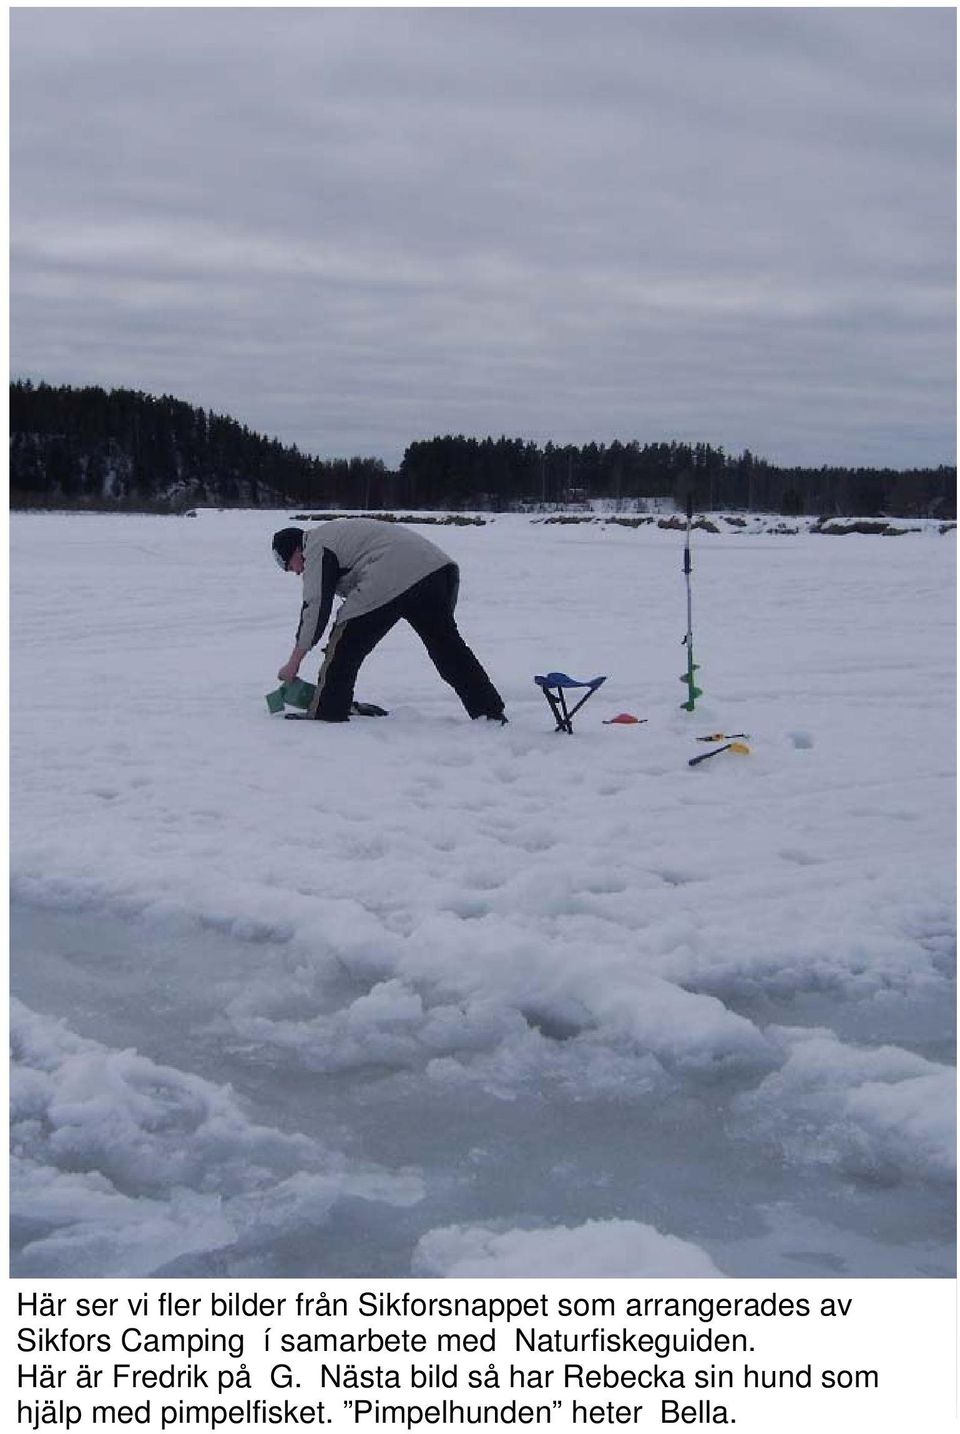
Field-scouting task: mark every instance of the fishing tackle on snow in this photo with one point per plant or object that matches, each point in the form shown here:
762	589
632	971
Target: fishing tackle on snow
727	747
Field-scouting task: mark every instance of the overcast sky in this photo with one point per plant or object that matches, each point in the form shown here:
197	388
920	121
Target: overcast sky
352	228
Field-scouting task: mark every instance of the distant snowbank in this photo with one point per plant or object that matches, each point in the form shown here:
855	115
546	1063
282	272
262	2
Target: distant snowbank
652	514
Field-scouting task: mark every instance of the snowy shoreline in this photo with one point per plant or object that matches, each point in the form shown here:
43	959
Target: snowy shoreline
602	513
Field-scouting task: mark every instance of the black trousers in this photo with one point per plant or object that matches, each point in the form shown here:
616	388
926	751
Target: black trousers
428	606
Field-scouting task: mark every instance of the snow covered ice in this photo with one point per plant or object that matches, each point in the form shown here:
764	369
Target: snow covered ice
424	996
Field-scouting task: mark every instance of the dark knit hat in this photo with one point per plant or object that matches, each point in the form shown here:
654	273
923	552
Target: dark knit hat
285	544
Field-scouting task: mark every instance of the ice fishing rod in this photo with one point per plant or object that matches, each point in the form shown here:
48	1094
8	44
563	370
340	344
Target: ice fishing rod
693	692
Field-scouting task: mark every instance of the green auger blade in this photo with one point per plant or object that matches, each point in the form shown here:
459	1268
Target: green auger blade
693	692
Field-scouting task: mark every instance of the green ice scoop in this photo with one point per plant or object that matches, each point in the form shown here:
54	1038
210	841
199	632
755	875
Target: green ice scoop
291	694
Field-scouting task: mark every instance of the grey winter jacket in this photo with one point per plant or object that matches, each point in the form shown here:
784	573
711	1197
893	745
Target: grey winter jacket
364	561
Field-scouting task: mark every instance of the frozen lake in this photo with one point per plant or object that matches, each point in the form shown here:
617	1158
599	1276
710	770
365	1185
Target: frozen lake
412	996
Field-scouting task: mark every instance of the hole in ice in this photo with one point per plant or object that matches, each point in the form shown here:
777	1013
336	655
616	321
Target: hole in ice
554	1025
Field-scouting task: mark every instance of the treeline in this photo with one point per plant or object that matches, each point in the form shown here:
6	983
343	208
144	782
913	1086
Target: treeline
86	447
509	473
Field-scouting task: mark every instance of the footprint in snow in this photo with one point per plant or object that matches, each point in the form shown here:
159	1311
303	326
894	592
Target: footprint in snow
675	878
469	908
801	858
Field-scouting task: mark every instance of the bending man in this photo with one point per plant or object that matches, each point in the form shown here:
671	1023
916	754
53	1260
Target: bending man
384	572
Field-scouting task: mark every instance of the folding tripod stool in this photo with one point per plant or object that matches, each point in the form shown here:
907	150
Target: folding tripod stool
554	686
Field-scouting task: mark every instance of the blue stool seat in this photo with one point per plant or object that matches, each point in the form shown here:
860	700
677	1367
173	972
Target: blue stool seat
554	685
561	679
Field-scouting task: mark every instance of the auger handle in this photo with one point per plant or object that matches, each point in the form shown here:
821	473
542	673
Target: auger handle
704	755
727	747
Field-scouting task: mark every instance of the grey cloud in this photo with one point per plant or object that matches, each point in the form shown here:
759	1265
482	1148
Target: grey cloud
352	228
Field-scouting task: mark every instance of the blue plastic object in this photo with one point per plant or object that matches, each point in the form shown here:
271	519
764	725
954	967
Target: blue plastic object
553	685
561	679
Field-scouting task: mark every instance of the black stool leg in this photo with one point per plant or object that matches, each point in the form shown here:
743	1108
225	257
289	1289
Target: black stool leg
558	715
566	724
583	699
